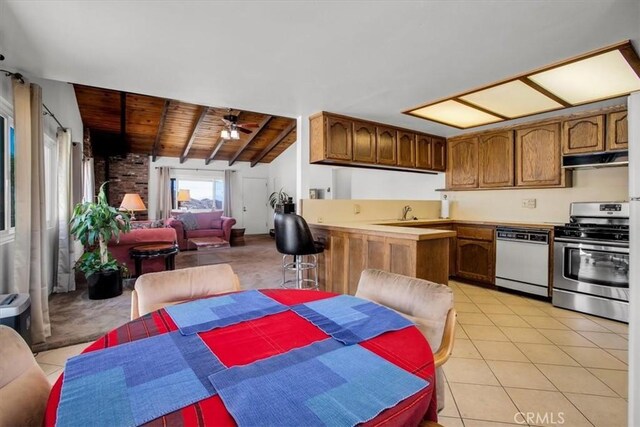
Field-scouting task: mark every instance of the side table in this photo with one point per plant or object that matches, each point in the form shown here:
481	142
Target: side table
166	250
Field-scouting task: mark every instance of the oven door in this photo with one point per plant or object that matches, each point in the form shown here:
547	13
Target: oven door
601	270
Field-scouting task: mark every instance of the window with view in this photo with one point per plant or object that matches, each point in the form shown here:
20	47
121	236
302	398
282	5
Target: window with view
7	185
204	194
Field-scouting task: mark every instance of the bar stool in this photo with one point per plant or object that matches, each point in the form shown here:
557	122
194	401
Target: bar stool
295	241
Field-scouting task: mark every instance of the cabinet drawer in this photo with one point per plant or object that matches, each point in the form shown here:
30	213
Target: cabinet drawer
475	233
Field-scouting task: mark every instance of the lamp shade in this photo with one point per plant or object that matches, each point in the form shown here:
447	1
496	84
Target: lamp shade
132	202
184	195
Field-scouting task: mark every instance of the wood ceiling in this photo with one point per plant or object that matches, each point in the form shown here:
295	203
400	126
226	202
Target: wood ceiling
166	127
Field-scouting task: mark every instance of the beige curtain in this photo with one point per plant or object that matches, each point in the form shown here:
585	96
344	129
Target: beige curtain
30	206
65	280
88	183
164	193
227	193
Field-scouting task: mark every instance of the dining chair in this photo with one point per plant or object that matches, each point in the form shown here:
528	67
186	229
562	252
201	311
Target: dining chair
24	388
153	291
429	305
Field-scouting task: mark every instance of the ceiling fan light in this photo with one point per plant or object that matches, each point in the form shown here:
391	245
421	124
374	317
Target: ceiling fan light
235	134
225	134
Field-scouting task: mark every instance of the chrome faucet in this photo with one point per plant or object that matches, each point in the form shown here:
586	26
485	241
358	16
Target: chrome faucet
405	211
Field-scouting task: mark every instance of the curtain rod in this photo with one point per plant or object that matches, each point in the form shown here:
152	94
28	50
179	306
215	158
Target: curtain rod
49	113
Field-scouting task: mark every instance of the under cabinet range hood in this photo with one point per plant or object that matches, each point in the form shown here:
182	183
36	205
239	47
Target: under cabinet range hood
596	160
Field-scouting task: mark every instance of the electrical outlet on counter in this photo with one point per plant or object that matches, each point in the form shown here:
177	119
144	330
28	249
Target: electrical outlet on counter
356	209
529	203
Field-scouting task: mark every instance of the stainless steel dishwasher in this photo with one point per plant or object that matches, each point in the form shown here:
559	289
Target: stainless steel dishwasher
522	260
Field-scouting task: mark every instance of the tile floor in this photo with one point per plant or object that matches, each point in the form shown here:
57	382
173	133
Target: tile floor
515	355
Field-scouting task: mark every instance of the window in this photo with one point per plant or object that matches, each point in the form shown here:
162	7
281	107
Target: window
50	179
7	176
204	194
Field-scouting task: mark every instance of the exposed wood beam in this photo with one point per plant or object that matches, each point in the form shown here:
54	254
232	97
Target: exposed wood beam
192	137
216	148
263	124
273	143
163	117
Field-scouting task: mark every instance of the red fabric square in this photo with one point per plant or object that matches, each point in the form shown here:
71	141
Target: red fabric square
295	296
253	340
402	348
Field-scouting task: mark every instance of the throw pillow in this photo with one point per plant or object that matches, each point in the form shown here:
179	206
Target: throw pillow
216	223
139	225
216	214
189	221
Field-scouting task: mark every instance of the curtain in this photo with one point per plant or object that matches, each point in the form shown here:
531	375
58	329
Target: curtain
30	205
88	181
65	281
227	192
165	202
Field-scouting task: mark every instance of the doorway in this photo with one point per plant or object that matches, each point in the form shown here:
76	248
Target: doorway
254	205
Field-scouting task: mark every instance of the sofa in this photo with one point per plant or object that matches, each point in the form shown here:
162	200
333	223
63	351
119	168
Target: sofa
207	224
137	237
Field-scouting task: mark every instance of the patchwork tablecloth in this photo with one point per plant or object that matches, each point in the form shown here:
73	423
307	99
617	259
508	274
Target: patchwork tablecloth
249	345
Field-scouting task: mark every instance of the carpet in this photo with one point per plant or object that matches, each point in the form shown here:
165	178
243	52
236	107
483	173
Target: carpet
77	319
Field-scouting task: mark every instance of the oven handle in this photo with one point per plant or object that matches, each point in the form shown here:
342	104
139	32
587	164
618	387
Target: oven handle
609	246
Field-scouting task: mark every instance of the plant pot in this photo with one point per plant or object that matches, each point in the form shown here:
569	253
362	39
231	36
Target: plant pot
285	208
106	284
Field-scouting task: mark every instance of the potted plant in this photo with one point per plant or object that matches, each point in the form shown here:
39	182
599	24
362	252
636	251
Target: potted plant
94	224
280	202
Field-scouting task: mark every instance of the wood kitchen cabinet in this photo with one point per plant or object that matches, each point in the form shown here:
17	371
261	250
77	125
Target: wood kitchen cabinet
439	154
617	131
339	139
538	159
475	253
583	135
387	146
462	170
496	160
424	152
364	142
406	149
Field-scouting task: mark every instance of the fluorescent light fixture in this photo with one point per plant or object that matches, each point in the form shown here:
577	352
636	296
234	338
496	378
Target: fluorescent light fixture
512	99
592	79
455	114
605	73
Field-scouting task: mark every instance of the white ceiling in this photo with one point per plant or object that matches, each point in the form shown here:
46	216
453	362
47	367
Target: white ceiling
366	59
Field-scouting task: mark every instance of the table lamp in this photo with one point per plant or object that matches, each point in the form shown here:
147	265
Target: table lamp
132	203
183	196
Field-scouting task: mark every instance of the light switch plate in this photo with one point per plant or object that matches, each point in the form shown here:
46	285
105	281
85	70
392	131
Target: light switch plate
529	203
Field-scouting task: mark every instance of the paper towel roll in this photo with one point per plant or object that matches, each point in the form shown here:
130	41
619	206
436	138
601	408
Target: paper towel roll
444	208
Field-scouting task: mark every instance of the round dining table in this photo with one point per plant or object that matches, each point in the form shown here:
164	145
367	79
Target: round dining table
270	336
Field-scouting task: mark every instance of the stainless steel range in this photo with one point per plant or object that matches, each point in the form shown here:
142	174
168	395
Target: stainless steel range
591	260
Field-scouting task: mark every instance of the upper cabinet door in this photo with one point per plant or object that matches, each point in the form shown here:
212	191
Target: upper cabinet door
364	142
617	131
406	149
584	135
439	154
339	139
424	152
496	160
462	171
538	159
386	146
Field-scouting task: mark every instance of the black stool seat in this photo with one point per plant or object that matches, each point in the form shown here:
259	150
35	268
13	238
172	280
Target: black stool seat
293	236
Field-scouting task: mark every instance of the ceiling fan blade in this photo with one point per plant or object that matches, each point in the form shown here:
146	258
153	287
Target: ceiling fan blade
248	125
243	130
226	122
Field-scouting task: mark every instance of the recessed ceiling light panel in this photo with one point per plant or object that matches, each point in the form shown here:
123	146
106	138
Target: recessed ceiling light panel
592	79
455	114
512	99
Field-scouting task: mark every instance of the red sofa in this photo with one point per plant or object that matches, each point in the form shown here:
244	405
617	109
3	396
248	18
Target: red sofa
210	224
137	237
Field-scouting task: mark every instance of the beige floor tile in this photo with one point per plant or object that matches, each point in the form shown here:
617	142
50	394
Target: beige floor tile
474	319
622	355
53	376
473	290
460	332
494	308
521	375
528	310
525	335
450	409
606	340
480	423
461	298
566	338
60	355
547	408
49	369
544	322
575	379
618	381
613	326
508	320
561	312
497	350
467	307
594	358
483	402
465	349
601	411
512	300
487	333
484	299
546	353
450	422
583	325
469	371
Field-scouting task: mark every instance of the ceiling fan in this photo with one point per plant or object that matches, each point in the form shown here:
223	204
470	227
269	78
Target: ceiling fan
232	127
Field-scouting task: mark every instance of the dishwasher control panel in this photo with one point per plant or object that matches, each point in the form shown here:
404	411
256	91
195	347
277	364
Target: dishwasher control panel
541	237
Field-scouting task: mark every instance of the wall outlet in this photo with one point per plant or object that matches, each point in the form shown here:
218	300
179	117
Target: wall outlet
356	209
320	219
529	203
